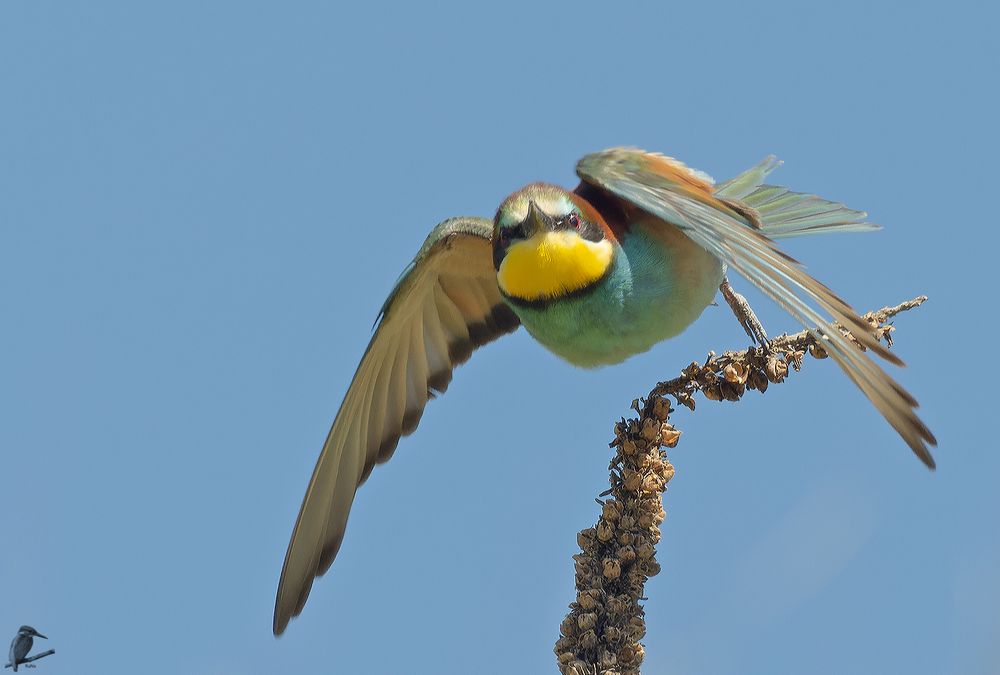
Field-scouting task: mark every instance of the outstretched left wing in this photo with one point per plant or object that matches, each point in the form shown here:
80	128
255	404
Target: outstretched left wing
445	304
667	189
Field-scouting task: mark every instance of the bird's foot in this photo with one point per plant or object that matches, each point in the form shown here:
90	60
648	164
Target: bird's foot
744	314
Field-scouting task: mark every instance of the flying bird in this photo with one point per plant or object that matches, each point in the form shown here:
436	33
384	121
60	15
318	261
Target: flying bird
21	645
627	259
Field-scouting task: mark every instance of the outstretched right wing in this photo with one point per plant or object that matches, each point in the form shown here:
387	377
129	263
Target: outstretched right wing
446	303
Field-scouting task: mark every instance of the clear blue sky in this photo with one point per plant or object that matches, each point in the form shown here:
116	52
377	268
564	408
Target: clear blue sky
203	205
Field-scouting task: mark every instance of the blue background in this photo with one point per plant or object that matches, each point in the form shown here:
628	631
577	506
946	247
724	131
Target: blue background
203	205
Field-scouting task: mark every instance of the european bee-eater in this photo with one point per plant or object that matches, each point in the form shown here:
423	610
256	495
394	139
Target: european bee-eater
627	259
21	645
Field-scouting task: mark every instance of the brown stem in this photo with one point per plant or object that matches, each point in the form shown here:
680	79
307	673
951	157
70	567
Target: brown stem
602	632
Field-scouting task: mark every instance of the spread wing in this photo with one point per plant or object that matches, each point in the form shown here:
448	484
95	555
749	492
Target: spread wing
445	304
670	191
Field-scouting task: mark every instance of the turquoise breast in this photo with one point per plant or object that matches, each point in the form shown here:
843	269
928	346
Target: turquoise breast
659	283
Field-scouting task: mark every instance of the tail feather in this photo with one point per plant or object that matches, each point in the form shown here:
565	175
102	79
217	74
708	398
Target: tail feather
784	213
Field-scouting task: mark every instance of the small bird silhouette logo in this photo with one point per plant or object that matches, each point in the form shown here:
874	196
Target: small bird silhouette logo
21	645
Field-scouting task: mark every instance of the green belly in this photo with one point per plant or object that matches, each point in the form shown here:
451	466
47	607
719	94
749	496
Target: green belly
657	287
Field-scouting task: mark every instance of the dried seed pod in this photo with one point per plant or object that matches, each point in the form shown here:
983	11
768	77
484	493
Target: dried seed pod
795	359
650	429
587	621
588	640
626	538
618	604
564	657
588	600
606	661
712	392
585	538
568	627
645	550
669	436
627	654
816	351
612	634
650	567
628	447
730	391
627	522
736	373
626	554
612	568
661	409
652	483
757	380
632	480
612	511
604	532
775	369
636	628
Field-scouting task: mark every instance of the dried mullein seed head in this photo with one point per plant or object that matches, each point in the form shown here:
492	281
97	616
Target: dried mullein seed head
636	628
612	568
604	532
650	429
775	369
645	550
736	373
588	599
614	605
669	437
626	554
606	661
585	538
626	538
730	391
588	640
587	621
612	511
627	522
568	627
652	483
757	380
632	480
661	408
650	567
816	351
627	654
667	473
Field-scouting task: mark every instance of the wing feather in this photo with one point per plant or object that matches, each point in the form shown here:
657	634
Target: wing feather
651	182
445	304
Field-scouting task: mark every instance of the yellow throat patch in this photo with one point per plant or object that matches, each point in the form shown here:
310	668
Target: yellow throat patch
553	264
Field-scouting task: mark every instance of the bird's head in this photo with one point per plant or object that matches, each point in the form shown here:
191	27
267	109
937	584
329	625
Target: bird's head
28	630
549	243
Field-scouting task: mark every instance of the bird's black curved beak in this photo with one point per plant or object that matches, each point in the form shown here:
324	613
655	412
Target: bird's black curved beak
537	221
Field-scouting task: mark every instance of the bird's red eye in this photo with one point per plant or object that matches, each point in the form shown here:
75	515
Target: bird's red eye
574	220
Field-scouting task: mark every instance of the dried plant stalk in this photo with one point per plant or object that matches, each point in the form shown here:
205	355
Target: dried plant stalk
602	632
